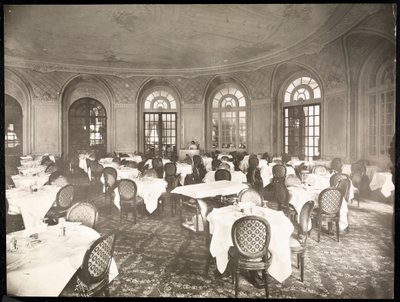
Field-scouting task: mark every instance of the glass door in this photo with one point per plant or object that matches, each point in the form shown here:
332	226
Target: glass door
160	134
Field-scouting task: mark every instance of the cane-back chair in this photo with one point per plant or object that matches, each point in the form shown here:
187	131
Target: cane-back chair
336	165
93	276
110	183
320	170
222	174
329	203
83	212
250	236
298	240
250	195
279	173
128	198
157	165
64	199
335	178
172	179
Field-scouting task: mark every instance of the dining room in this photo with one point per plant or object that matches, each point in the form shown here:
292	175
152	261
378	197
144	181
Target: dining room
200	150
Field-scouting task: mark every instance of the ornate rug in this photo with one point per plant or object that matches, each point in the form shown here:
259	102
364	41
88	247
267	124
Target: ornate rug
157	258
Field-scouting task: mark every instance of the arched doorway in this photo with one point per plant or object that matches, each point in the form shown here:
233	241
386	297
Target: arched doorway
87	126
13	124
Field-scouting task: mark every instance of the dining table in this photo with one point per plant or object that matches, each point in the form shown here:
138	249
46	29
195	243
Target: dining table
44	265
221	221
26	181
210	189
33	206
300	195
149	188
382	181
32	170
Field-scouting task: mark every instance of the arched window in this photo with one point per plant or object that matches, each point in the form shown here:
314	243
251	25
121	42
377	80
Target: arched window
12	127
87	126
302	118
160	123
228	118
381	112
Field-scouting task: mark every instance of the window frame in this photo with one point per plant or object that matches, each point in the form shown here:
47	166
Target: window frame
219	111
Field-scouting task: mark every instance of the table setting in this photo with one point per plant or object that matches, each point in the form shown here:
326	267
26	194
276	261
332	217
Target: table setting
41	264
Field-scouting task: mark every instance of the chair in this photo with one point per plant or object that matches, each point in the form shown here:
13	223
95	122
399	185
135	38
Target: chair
92	277
329	203
222	174
359	166
64	201
250	195
266	156
215	163
298	241
51	168
172	180
204	209
150	173
344	187
158	166
74	164
253	161
57	178
254	179
320	170
278	199
198	164
250	237
14	222
335	178
356	179
127	191
110	183
9	182
84	212
279	173
225	158
336	165
96	171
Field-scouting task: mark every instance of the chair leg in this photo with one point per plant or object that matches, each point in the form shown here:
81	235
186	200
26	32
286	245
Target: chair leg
120	216
298	261
209	258
319	230
265	277
358	201
302	267
134	215
236	282
337	231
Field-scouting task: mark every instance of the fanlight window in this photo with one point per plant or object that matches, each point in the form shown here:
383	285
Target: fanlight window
302	89
160	99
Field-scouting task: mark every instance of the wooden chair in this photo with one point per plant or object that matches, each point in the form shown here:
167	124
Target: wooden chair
92	278
172	180
250	237
277	195
222	174
84	212
150	173
110	183
336	178
298	240
96	171
320	170
329	203
64	201
336	165
51	168
158	167
129	202
250	195
215	163
279	173
14	222
254	179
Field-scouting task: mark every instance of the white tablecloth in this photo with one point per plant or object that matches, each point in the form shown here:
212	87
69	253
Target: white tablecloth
207	162
148	162
150	189
299	196
202	190
114	165
30	163
383	181
135	158
236	176
32	206
124	173
323	181
46	268
221	222
33	170
25	182
184	169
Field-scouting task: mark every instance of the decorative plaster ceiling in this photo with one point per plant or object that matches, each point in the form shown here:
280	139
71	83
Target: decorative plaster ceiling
169	38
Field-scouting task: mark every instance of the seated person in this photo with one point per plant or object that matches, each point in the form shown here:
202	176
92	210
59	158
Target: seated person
192	146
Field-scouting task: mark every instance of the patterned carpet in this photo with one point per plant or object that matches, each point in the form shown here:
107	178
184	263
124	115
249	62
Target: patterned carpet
156	258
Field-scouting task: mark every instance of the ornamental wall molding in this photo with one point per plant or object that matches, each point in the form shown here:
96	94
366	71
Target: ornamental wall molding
45	98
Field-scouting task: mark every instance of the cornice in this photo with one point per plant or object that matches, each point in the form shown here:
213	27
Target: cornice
330	31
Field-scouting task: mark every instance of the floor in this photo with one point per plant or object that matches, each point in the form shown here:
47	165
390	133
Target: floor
157	258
